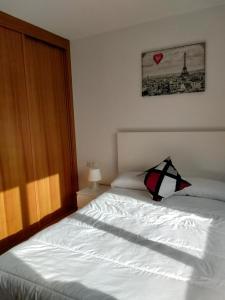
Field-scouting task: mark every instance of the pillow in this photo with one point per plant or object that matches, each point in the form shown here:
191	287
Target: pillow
130	180
205	188
163	180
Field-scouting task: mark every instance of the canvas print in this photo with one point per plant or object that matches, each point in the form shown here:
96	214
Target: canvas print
174	70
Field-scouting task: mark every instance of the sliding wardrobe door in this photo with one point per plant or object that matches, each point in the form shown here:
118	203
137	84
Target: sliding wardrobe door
50	126
17	202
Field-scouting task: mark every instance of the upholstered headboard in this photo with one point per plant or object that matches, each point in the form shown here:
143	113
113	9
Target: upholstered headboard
194	153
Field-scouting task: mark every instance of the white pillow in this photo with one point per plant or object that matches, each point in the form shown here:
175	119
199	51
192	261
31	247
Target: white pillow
130	180
204	188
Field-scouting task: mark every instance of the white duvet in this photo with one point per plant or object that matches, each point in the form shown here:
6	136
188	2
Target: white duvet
124	246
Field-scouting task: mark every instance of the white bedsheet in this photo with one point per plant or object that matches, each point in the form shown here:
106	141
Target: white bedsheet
124	246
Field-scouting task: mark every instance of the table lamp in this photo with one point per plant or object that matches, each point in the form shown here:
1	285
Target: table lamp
94	176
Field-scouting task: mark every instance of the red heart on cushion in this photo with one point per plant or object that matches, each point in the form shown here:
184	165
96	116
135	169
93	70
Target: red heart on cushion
158	57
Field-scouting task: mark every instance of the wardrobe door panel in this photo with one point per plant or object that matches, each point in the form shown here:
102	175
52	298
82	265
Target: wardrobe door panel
17	204
50	127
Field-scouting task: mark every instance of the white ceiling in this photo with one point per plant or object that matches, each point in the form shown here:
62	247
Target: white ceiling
81	18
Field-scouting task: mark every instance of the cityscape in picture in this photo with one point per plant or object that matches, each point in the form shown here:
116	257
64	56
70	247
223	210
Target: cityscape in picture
174	70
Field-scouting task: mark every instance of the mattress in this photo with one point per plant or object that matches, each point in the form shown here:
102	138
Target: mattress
123	246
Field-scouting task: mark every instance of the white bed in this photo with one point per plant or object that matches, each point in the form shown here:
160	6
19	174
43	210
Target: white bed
124	246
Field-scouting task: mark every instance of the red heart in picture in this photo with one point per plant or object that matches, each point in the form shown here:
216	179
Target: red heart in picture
158	57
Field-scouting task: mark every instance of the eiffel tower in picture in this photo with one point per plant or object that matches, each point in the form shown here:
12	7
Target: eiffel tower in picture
184	72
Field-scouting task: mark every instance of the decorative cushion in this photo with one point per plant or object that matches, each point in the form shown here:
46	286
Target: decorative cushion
164	180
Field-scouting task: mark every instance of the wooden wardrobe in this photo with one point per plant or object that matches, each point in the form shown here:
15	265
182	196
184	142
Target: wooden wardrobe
38	172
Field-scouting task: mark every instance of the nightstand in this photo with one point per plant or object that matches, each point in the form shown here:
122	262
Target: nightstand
86	195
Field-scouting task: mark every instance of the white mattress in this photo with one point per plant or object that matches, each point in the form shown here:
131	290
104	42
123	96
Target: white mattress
124	246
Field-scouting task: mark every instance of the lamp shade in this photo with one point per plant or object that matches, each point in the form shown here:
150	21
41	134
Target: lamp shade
94	175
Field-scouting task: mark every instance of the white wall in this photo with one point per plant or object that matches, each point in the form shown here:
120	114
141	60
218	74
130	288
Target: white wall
107	85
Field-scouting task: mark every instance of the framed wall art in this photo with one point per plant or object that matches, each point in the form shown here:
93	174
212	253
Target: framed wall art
174	70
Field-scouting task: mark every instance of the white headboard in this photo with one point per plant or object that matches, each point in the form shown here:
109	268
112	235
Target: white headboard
194	153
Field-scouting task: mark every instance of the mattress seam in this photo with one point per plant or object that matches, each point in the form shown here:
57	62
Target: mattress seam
166	243
168	276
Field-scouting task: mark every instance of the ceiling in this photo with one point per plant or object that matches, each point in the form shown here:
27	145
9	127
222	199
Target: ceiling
81	18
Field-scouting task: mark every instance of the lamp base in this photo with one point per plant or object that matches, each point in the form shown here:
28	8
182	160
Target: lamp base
95	186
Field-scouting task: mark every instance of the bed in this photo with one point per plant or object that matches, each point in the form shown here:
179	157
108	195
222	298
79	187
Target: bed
124	245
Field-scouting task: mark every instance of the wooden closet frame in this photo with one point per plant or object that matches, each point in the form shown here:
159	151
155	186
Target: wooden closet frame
27	29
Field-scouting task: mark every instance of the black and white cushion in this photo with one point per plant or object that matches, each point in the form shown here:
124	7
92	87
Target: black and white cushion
164	180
